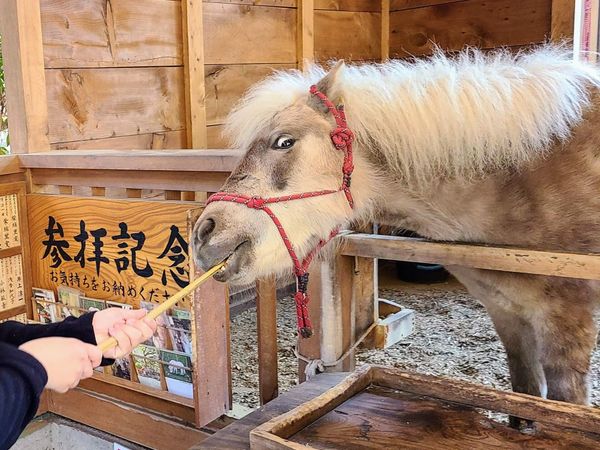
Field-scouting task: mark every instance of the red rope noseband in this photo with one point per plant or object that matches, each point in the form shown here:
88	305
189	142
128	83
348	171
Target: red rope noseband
342	138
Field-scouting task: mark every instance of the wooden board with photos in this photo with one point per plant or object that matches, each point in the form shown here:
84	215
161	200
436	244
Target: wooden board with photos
163	362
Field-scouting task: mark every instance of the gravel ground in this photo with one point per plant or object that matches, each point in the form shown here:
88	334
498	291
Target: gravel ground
453	337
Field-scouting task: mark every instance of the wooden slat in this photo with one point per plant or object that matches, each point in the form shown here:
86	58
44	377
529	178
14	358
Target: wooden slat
266	311
348	5
100	33
278	3
193	73
100	103
124	420
225	84
506	259
306	33
148	141
146	397
385	30
238	34
23	60
563	20
472	22
132	179
398	5
210	340
8	252
12	312
142	160
335	30
10	165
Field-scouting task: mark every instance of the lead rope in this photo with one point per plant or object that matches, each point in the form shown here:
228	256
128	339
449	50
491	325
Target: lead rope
315	366
342	138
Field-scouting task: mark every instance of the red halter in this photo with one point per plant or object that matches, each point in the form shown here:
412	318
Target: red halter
342	138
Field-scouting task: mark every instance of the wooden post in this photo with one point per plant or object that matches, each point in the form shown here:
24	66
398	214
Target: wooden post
266	310
563	20
306	32
193	69
21	29
385	30
210	340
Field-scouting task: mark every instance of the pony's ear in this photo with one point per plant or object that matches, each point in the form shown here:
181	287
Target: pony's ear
329	85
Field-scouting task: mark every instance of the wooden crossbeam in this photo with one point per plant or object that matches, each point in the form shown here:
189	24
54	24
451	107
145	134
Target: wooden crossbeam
505	259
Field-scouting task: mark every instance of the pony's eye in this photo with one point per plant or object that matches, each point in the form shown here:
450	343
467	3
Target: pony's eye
284	142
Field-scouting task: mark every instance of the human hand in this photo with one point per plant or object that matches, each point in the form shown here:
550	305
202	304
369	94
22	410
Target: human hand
66	360
129	327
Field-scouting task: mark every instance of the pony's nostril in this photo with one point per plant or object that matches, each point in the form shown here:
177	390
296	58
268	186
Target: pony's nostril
204	229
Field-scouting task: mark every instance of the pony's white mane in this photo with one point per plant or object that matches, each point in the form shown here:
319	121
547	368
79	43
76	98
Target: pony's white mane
460	115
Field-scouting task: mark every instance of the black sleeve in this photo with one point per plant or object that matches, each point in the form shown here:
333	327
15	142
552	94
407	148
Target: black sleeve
16	333
22	380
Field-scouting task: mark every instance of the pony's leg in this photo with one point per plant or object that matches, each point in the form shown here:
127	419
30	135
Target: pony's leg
498	294
568	334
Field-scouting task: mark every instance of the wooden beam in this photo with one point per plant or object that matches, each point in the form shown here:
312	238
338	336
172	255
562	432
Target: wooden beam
563	20
163	160
8	252
266	311
124	420
12	312
193	68
131	179
21	30
306	32
385	30
10	165
505	259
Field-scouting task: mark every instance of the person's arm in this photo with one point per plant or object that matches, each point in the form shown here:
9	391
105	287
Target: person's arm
22	379
17	333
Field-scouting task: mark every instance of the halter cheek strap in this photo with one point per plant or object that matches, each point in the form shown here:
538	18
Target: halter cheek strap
342	138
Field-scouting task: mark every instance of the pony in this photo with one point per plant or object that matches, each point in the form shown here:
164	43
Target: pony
488	148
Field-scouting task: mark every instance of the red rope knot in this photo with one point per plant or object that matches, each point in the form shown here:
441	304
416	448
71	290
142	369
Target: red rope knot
342	137
256	203
313	89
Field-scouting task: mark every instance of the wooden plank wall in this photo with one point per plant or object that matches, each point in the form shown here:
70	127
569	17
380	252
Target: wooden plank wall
348	29
114	75
124	75
416	26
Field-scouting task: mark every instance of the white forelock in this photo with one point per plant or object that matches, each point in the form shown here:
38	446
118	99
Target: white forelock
457	116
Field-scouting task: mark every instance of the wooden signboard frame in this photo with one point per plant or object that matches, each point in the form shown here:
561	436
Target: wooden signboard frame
274	434
18	189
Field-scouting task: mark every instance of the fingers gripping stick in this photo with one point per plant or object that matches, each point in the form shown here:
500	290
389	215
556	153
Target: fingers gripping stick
163	307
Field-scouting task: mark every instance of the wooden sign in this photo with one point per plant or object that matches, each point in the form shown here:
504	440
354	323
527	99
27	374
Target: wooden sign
121	250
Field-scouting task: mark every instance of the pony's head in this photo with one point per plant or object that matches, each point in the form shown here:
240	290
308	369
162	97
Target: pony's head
285	132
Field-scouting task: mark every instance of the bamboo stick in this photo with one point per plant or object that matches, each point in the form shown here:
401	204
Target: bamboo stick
163	307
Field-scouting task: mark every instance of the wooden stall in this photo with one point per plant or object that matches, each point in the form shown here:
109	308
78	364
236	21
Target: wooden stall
123	104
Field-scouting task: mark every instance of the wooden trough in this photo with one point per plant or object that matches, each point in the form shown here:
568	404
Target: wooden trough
380	407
